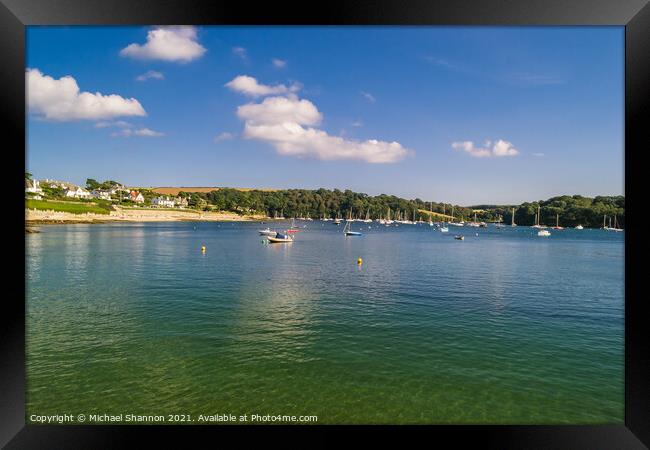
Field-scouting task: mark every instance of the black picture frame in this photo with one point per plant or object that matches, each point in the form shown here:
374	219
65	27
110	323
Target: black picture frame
634	15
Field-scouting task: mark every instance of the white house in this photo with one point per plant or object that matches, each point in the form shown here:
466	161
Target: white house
101	194
163	202
77	193
33	187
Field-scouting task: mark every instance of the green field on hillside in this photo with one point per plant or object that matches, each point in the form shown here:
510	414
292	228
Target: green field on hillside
69	207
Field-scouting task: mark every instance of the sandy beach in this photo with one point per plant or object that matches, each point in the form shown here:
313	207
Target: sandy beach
34	217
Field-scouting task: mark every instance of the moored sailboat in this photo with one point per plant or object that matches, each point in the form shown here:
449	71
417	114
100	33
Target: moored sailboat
537	217
347	230
455	224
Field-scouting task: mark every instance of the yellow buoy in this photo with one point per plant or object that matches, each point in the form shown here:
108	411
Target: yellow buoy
359	261
203	248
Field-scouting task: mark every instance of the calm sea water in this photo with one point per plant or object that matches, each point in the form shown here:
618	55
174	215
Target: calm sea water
503	327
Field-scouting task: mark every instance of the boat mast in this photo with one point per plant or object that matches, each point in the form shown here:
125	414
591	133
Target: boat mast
513	217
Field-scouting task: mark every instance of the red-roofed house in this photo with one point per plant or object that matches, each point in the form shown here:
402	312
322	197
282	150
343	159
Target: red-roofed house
137	197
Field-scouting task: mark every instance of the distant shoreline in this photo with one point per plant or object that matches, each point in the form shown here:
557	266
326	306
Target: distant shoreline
41	217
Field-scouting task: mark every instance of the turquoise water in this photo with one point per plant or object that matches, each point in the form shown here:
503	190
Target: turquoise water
503	327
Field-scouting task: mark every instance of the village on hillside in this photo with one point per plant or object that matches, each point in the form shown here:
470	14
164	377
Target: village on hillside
108	191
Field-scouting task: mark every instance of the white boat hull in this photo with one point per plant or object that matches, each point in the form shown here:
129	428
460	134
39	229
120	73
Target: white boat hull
275	240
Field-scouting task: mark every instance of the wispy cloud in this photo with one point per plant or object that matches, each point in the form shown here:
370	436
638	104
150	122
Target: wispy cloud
440	62
241	52
143	132
279	63
521	78
176	43
538	155
151	74
371	98
498	149
357	123
225	136
535	79
117	123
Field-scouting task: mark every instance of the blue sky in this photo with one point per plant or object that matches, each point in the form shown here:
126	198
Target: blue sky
457	114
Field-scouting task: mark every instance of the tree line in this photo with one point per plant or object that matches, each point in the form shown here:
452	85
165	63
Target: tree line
324	203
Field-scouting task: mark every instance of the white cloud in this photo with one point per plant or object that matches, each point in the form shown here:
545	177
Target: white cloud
117	123
371	98
357	124
225	136
149	75
295	140
177	43
499	149
286	122
62	100
279	63
278	110
144	132
241	52
249	86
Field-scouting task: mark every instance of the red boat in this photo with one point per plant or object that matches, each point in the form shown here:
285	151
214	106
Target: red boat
293	228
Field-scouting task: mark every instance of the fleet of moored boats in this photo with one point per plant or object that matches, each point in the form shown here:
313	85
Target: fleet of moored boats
288	235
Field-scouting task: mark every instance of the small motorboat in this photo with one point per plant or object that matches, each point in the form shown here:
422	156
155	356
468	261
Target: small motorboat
543	233
266	232
279	238
580	227
444	229
459	237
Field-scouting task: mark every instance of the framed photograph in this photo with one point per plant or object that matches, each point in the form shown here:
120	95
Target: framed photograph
394	217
